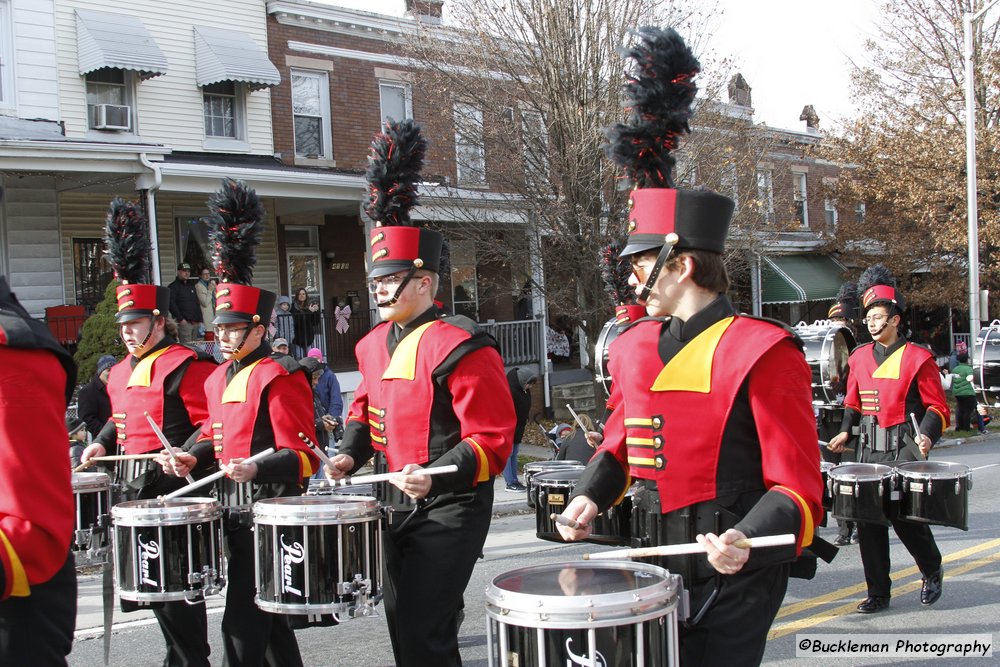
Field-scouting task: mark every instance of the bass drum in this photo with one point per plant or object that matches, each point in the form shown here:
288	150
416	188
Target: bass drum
986	367
609	332
827	347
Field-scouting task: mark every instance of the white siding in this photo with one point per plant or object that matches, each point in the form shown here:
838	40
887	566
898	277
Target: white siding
30	213
169	107
37	91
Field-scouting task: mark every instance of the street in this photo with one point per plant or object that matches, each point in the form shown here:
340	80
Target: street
824	605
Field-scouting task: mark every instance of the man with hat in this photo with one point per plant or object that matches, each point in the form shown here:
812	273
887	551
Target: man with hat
184	304
280	347
892	379
37	577
712	409
255	402
163	379
433	393
93	402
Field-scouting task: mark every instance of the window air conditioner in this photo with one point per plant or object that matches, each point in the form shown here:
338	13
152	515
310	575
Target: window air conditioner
109	117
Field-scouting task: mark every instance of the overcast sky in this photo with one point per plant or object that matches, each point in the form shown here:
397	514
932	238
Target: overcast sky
792	52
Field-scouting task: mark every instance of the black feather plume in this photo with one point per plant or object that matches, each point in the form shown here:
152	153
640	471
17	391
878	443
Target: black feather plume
615	271
875	275
126	235
660	92
234	230
394	163
847	297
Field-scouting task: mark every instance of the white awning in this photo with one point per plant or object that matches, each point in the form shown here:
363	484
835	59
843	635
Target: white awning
116	41
230	55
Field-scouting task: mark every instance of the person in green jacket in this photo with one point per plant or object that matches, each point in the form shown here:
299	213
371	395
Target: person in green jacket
965	395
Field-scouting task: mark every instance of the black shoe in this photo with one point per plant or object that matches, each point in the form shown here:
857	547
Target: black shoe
516	486
930	592
872	604
842	541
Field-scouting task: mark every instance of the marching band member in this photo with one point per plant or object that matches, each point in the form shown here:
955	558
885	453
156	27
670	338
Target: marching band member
160	377
37	577
433	393
255	401
712	410
890	380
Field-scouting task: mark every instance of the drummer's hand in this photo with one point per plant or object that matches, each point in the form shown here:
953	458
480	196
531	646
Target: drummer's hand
415	486
594	439
181	468
722	555
923	444
582	510
92	450
344	464
238	471
837	442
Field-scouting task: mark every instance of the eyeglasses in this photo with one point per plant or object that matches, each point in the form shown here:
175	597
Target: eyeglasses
223	333
875	318
390	282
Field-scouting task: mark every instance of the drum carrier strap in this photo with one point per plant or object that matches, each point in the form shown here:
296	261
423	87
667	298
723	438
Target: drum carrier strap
874	437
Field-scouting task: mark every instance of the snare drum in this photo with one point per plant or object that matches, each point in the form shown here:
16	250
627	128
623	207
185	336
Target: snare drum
325	487
535	467
935	492
863	492
168	549
614	526
92	496
318	555
607	613
824	470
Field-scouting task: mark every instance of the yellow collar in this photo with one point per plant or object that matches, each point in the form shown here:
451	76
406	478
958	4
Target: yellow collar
691	368
141	374
236	390
403	365
889	369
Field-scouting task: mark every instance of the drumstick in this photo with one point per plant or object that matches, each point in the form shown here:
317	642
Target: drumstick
563	521
577	418
316	449
166	445
916	432
215	475
83	466
93	460
386	476
690	548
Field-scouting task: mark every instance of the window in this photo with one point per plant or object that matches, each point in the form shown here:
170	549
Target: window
311	112
801	197
859	212
470	153
91	274
6	57
109	99
223	106
464	295
730	184
536	148
830	210
765	194
396	100
193	245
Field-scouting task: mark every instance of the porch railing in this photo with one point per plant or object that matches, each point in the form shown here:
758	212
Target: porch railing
520	341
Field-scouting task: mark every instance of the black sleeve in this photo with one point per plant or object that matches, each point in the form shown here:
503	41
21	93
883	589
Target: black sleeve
89	408
108	436
357	444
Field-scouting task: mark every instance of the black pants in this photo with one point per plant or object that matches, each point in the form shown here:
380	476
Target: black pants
252	637
874	542
37	630
185	630
827	430
734	629
966	409
428	564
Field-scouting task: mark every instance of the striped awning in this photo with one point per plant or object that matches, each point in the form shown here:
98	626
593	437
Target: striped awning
116	41
799	278
230	55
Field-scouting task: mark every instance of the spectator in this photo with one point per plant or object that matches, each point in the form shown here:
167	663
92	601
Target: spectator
520	381
962	390
328	389
279	347
184	305
983	415
305	317
79	438
314	370
960	347
284	325
575	445
93	403
205	289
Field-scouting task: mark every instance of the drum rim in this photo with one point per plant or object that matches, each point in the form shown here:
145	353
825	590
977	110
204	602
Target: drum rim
541	478
90	481
309	510
957	470
882	471
823	331
179	512
289	609
553	465
633	606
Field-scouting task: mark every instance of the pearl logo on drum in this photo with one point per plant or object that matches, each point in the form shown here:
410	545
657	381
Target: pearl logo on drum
147	551
575	659
291	554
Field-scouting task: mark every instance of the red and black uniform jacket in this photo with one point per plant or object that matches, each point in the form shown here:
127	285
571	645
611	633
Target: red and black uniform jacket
433	393
256	403
36	496
888	383
715	407
168	382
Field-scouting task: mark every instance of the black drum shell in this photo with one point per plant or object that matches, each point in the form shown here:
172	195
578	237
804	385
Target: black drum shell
533	469
934	500
612	527
858	498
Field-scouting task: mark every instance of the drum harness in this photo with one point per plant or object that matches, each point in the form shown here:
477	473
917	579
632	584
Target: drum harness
877	439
